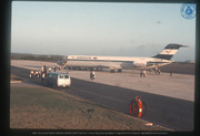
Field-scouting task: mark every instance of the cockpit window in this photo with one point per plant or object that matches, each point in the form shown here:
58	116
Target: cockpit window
66	76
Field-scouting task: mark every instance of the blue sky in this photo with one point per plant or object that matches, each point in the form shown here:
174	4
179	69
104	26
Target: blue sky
86	28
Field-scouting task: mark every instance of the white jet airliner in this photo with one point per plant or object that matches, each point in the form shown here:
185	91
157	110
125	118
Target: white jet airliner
115	63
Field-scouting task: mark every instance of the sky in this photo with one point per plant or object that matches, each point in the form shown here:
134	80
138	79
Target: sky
100	28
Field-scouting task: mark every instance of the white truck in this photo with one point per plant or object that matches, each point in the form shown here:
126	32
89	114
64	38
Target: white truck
58	80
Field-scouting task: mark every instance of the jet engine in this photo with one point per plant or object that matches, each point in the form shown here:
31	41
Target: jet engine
142	63
139	63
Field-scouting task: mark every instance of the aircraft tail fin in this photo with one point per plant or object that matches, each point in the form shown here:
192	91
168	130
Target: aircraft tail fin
169	51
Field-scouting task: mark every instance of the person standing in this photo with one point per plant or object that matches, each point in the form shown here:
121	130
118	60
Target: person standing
45	69
49	69
43	72
170	73
159	71
92	75
145	73
54	68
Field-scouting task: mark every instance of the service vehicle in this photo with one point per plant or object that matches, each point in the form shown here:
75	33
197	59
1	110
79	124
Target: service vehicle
58	80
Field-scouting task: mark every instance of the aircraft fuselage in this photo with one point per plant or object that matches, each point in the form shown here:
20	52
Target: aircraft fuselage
116	62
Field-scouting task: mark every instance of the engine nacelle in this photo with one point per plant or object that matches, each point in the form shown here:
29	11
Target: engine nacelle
141	63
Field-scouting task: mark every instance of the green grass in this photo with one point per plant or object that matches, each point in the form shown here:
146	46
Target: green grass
45	108
39	96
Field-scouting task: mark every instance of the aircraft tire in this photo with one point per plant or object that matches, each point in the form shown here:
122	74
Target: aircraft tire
112	71
54	85
119	70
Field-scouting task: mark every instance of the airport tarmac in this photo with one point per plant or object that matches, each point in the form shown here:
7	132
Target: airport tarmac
179	86
170	100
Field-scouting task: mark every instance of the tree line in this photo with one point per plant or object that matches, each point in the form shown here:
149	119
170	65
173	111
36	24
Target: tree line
37	57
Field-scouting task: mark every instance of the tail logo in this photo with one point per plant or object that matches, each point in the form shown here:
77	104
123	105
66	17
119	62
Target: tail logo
168	51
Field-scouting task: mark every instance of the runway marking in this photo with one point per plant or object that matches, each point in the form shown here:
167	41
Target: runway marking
15	82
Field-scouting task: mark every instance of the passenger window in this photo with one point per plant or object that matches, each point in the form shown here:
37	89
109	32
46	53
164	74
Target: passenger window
61	76
66	76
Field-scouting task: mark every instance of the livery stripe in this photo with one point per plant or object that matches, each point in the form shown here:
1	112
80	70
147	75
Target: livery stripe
162	56
173	46
169	52
100	60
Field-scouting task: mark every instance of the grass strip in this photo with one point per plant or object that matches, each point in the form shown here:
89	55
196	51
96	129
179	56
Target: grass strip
45	108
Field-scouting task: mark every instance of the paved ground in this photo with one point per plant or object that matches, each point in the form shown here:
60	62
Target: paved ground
179	86
182	68
169	100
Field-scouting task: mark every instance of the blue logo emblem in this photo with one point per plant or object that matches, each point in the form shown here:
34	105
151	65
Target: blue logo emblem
188	11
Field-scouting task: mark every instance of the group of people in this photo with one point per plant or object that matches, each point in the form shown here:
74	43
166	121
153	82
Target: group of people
54	69
44	71
143	73
44	68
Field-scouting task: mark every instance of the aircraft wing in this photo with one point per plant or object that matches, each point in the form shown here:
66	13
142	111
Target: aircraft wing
81	64
110	66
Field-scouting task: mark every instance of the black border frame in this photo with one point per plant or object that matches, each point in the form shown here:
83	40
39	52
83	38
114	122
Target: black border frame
6	6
